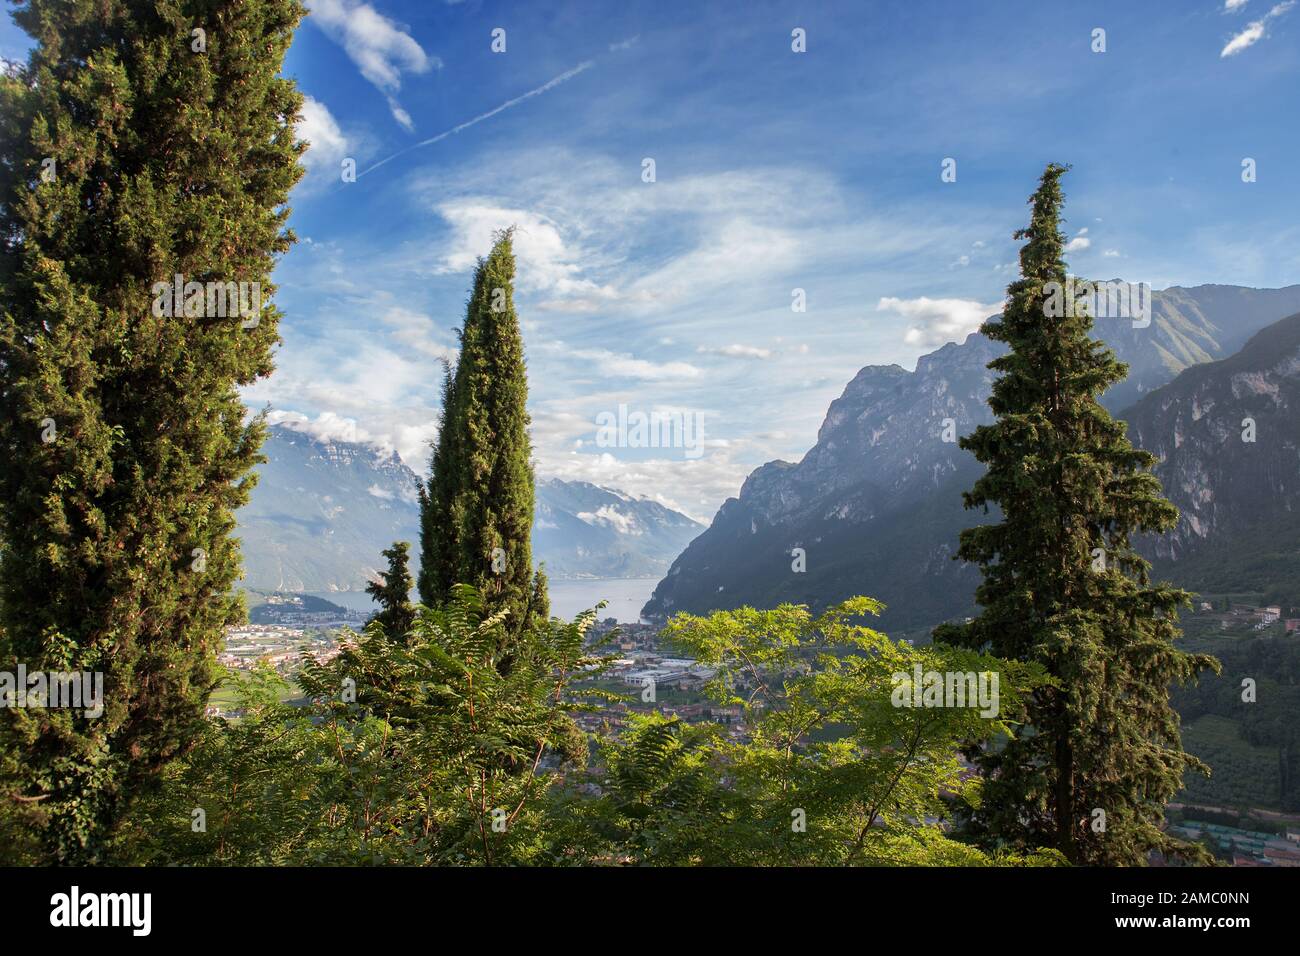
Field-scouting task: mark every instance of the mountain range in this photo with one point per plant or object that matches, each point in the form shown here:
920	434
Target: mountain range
875	505
323	510
1227	434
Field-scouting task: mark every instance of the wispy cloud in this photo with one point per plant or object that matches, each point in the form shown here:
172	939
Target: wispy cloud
381	49
736	351
508	104
625	366
1255	31
417	331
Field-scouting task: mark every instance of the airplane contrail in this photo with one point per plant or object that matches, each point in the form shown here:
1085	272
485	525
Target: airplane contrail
548	85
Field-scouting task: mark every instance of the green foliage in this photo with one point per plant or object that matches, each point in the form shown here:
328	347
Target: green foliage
413	747
831	771
125	446
1071	487
476	512
244	795
397	615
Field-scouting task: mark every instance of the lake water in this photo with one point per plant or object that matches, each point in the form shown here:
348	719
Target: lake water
625	597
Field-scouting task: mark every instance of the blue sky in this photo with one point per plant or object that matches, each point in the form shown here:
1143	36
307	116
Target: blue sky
775	170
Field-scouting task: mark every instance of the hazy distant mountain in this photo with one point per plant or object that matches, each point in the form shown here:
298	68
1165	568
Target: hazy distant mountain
876	503
1189	327
323	511
581	530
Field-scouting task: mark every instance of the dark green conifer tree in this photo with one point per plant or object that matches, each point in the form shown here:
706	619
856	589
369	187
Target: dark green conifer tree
143	140
477	508
397	613
1101	753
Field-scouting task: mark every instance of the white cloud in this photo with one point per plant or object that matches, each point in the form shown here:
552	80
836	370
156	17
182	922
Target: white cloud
327	427
610	516
1079	242
1255	31
403	118
381	49
410	442
1111	253
329	145
1248	37
938	321
1232	6
546	262
736	351
321	130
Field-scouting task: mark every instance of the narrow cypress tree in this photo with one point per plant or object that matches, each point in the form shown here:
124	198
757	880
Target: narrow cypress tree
397	614
1101	753
477	509
144	140
438	553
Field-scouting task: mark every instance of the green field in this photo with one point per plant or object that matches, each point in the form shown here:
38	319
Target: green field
225	696
1243	775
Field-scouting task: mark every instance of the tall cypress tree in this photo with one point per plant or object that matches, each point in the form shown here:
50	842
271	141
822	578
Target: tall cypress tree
142	141
1101	753
477	509
396	614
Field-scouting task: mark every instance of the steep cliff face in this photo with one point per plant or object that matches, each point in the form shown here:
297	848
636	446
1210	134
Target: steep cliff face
1228	437
874	500
581	530
876	503
882	442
